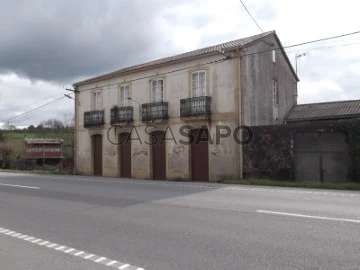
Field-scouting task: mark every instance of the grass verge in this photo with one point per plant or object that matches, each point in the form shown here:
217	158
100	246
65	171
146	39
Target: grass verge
275	183
32	172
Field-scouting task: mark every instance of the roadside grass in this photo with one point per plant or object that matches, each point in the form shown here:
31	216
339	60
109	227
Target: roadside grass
277	183
32	172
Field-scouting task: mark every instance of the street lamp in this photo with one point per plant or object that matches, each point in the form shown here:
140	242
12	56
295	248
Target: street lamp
137	102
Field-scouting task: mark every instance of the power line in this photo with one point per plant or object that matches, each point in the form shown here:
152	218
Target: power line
222	60
161	74
303	43
325	47
32	110
251	16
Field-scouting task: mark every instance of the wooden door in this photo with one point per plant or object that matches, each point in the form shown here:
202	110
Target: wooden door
158	155
97	154
125	155
200	155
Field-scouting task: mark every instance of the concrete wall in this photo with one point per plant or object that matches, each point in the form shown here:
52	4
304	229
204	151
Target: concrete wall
257	74
222	86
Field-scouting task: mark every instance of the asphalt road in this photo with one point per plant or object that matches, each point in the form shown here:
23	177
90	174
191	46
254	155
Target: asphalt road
71	222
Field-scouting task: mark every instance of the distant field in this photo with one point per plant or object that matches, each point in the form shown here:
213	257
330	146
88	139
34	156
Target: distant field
16	138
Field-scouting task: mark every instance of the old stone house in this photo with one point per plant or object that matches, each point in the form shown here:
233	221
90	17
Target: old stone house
207	93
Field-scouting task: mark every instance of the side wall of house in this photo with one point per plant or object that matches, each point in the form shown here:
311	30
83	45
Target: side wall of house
222	85
258	72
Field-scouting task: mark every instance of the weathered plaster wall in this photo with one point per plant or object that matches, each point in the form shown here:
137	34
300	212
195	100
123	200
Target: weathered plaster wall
222	86
258	72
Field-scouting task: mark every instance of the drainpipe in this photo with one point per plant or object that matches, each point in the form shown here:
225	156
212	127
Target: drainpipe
240	113
76	116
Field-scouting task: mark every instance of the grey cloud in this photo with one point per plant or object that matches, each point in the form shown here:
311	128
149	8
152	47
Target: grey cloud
63	40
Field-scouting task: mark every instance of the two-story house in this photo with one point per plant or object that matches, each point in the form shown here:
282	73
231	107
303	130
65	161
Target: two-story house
178	117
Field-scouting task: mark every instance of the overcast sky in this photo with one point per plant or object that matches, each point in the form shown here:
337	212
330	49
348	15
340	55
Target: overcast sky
46	45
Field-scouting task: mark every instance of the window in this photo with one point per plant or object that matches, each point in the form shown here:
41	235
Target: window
96	101
273	54
198	83
124	95
157	90
275	91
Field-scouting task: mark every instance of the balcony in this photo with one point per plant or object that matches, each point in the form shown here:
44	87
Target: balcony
195	106
154	111
94	118
121	115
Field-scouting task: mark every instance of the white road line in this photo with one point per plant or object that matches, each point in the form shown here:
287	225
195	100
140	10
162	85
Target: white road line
100	259
36	241
19	186
65	249
89	256
308	216
60	248
79	253
111	263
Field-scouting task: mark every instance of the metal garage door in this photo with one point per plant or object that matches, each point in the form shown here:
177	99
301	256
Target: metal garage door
321	156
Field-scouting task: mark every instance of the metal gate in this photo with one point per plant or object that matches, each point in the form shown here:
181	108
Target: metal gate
125	155
200	155
321	156
158	155
97	154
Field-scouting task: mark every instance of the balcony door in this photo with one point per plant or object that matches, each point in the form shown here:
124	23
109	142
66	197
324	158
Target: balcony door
97	154
125	155
158	155
199	152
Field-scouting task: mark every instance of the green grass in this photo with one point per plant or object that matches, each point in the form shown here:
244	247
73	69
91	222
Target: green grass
32	172
275	183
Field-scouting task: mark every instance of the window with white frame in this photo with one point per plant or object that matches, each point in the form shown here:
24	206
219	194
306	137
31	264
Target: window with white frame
157	90
124	94
96	103
198	83
273	54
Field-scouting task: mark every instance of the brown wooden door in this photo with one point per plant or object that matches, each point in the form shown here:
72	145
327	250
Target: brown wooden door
125	155
97	154
158	155
200	155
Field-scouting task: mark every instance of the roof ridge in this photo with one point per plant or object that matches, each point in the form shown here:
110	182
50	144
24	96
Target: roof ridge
328	102
189	54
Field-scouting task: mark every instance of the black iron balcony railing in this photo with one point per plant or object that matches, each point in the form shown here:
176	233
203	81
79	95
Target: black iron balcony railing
154	110
121	114
195	106
94	118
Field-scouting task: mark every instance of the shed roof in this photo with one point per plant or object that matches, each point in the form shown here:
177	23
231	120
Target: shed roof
325	110
223	47
43	141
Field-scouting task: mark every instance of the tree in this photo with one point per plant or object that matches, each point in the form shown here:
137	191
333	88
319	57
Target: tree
31	128
52	123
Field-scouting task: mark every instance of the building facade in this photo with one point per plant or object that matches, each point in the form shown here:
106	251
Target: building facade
181	117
